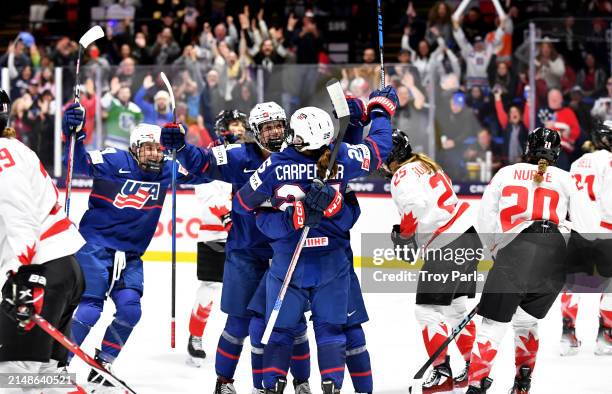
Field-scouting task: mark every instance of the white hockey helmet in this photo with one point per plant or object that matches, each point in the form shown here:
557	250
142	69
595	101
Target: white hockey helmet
149	159
265	113
311	128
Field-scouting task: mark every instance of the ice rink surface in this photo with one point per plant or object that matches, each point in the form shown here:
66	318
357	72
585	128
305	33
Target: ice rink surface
149	365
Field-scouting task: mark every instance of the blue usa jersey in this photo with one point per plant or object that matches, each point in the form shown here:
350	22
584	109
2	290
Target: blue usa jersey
125	202
287	176
234	163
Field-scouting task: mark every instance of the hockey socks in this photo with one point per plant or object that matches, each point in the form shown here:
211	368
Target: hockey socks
526	342
300	356
358	360
488	338
331	347
129	311
569	308
86	316
277	357
605	310
199	318
256	330
465	340
433	328
230	345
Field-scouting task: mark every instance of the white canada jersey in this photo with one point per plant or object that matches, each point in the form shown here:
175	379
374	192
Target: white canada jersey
33	226
590	172
428	205
215	200
513	201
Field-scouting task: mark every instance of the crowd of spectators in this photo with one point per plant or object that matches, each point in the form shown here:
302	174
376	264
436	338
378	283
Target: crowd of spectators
463	80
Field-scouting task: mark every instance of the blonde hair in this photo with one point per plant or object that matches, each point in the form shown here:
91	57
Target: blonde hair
542	167
588	146
9	132
423	158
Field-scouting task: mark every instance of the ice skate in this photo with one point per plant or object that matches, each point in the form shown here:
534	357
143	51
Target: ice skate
484	386
196	352
279	387
461	380
440	378
570	345
224	386
522	383
95	377
603	346
301	387
329	387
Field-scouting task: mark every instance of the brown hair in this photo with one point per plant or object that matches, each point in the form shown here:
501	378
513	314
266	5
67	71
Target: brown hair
9	132
323	164
423	158
542	167
433	18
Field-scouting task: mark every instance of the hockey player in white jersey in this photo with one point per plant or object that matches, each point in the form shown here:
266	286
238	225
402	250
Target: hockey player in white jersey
215	202
37	243
521	220
433	219
587	252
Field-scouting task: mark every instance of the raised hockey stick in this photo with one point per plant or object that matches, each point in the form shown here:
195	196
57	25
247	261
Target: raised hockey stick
417	380
380	45
334	89
74	348
90	36
173	312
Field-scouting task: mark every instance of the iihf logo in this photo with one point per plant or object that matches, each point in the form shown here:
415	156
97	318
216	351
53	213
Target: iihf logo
135	194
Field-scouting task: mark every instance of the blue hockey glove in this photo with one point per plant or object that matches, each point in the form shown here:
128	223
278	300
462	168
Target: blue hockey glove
358	115
301	215
323	198
73	121
173	136
383	101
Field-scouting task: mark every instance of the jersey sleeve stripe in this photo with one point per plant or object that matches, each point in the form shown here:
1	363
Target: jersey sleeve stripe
376	151
242	202
606	225
56	228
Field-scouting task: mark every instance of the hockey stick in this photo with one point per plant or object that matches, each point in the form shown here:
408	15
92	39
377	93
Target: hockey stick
173	313
417	380
90	36
380	45
334	89
74	348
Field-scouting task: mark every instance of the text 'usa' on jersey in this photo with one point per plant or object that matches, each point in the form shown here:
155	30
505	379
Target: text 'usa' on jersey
125	202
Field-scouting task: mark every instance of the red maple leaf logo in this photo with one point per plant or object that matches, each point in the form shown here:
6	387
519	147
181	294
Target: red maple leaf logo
526	354
27	257
408	224
219	211
480	364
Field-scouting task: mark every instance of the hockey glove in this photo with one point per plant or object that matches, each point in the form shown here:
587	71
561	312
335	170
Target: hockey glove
173	136
383	101
301	215
323	198
358	116
406	247
73	121
23	294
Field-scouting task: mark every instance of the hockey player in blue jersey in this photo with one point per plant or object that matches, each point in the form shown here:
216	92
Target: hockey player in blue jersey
247	250
322	273
125	203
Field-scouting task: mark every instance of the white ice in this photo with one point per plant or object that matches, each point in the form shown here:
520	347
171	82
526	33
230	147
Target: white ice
149	365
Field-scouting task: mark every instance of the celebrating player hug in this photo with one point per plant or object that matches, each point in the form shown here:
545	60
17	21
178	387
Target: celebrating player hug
430	205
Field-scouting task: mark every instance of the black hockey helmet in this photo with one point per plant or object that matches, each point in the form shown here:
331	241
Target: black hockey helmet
543	143
5	109
601	135
400	152
222	125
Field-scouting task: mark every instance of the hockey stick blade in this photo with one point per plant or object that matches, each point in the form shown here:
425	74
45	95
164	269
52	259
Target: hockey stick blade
169	88
74	348
93	34
336	94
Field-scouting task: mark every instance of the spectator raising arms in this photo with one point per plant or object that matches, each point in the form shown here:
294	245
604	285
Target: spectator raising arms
158	112
120	115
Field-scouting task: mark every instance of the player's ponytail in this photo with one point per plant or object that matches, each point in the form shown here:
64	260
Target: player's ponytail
542	167
323	164
426	160
9	132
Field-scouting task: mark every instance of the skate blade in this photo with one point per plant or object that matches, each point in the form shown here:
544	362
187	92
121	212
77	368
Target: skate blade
603	352
96	388
194	362
568	350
